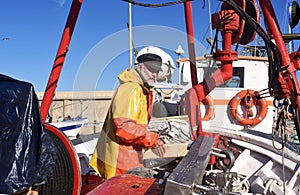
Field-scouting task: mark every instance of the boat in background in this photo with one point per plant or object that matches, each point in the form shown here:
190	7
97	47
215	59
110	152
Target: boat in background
71	127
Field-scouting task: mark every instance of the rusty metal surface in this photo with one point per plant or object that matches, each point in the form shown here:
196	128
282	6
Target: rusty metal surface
191	168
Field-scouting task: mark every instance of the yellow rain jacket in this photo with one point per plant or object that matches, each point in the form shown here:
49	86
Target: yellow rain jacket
124	132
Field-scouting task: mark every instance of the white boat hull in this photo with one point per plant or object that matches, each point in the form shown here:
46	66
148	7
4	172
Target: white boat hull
71	128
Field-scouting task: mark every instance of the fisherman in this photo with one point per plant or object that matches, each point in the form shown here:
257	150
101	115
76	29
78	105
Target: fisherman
124	133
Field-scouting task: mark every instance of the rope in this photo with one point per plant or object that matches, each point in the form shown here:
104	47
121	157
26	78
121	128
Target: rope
249	103
269	182
283	116
283	170
241	184
280	126
157	4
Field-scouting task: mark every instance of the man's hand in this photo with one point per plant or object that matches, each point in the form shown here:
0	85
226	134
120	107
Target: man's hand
159	148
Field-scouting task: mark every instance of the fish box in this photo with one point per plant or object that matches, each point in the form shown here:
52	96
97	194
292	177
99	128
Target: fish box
176	133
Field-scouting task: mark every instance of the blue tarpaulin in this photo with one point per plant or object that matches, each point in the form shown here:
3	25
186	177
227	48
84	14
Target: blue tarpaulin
27	153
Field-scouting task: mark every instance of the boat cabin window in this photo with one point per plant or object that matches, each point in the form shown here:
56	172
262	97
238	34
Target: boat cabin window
237	80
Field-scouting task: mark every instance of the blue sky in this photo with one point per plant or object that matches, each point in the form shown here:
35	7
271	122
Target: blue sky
31	32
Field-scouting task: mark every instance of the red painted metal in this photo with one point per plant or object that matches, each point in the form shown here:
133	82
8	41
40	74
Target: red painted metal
191	108
60	58
194	109
226	12
73	156
128	184
90	182
295	59
248	32
272	27
194	96
226	56
191	42
287	77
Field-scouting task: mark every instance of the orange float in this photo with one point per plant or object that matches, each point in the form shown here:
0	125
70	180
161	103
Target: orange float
208	102
248	96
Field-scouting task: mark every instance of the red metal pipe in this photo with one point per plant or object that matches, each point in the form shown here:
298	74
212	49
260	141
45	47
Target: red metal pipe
194	104
60	58
286	79
191	42
272	27
226	56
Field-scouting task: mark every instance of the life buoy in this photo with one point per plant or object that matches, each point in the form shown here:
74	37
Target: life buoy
248	96
209	111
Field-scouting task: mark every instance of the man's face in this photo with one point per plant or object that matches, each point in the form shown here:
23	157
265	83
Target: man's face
149	75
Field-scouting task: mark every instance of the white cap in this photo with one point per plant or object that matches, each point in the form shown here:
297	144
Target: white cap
167	67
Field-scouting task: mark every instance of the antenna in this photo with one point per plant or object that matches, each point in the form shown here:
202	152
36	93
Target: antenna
130	34
179	51
135	51
210	24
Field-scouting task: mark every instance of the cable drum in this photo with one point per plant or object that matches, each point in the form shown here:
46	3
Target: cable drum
249	32
66	178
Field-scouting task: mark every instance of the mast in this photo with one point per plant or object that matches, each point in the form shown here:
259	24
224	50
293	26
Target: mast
130	34
209	16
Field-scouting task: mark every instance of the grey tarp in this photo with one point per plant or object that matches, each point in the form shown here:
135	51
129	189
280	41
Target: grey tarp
27	153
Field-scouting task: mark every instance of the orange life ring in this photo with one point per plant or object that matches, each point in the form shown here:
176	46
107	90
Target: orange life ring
236	100
209	105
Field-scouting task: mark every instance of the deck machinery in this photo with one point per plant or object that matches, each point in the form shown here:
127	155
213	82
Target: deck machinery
238	23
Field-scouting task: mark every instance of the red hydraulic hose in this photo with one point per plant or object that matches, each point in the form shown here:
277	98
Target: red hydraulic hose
60	58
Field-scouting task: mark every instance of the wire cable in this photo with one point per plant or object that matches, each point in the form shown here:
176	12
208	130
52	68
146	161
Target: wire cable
153	5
